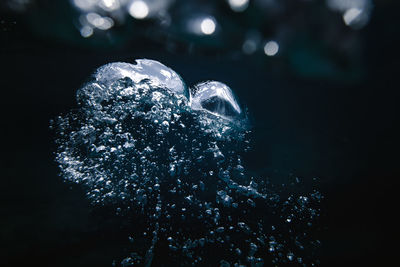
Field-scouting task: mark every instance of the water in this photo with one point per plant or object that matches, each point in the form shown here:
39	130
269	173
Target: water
169	160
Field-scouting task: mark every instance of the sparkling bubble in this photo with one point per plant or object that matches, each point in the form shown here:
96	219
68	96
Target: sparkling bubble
169	166
158	74
215	97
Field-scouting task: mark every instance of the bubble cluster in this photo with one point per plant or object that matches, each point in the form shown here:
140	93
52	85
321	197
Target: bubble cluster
170	159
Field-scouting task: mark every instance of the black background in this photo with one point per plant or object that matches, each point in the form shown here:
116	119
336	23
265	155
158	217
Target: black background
346	134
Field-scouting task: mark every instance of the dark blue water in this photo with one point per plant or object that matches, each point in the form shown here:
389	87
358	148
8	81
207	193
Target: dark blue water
342	133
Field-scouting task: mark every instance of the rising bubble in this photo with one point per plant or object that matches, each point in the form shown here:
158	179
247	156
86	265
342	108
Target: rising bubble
171	164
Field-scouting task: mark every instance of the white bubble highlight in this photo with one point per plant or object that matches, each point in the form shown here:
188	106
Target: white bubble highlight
271	48
85	4
86	31
110	5
238	5
355	18
208	26
139	9
102	23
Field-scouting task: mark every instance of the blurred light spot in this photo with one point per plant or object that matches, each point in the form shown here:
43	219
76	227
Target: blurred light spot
343	5
249	47
251	42
86	31
350	15
102	23
356	18
139	9
93	18
208	26
110	5
202	24
238	5
356	13
106	23
85	4
271	48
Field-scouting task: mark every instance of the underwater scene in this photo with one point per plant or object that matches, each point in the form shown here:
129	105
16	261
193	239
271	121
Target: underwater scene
199	133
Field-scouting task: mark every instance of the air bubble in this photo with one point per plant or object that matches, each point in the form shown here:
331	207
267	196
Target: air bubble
171	164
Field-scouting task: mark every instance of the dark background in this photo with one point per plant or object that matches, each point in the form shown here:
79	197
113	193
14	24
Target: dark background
342	131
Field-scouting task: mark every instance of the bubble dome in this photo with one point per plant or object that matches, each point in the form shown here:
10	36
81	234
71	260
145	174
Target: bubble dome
216	98
169	160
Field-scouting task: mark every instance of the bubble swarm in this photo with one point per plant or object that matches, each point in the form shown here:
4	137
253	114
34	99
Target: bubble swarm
169	158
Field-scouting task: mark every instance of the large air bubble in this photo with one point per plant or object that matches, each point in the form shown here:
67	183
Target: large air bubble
215	97
158	75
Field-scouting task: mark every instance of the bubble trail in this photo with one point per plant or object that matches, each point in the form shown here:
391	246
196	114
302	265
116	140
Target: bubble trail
169	159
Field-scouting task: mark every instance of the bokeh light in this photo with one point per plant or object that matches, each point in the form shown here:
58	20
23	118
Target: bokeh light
110	5
208	26
249	47
238	5
139	9
85	4
233	28
86	31
251	42
271	48
356	13
102	23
